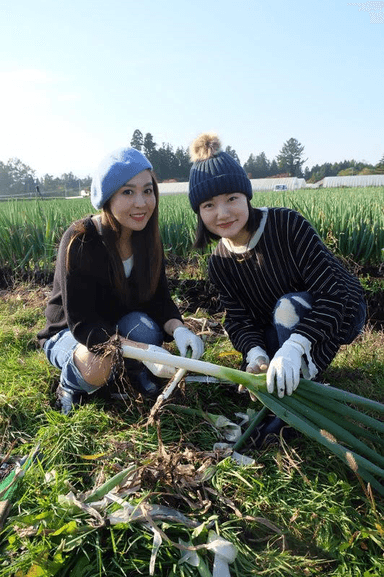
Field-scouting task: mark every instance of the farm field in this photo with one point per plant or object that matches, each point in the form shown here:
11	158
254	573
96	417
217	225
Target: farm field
350	221
295	509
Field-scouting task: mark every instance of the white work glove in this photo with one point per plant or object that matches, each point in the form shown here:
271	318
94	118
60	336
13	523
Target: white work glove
185	338
284	368
157	369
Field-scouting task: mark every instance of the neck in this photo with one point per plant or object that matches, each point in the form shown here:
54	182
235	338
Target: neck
241	240
124	246
123	243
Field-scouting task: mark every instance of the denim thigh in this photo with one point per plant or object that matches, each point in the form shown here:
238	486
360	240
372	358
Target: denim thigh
300	303
139	327
60	348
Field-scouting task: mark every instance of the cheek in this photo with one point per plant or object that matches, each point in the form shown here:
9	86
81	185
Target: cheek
205	216
209	222
244	214
152	204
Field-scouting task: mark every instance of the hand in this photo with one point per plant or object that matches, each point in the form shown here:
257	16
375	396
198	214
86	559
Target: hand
257	361
284	369
185	338
157	369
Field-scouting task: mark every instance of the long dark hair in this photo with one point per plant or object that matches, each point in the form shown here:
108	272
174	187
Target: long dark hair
146	250
204	237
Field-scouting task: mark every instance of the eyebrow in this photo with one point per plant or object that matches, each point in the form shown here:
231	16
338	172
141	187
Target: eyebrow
135	185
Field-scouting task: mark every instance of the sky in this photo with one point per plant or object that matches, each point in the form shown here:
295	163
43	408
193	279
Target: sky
77	77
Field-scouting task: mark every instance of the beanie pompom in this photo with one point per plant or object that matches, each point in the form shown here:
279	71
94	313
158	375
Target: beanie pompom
206	146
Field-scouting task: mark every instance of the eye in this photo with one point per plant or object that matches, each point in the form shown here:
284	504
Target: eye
149	190
207	205
127	191
233	197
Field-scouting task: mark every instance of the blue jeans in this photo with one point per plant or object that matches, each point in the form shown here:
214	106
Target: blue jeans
59	349
289	311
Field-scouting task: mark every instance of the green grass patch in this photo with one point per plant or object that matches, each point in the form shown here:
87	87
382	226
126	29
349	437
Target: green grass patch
297	510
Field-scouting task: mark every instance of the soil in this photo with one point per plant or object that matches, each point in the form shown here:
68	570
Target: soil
192	295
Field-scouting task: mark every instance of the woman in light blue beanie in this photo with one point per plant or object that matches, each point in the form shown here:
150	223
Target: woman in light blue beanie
289	303
110	288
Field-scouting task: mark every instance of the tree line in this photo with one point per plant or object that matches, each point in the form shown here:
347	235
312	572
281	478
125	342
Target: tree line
289	162
19	179
16	178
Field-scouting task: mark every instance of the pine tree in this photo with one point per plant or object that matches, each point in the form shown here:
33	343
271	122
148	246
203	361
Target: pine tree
290	157
137	139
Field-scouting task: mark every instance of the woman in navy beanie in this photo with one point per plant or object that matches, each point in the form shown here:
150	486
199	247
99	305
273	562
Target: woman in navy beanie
110	286
289	303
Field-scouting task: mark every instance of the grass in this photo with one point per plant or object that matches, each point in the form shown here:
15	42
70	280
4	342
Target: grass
297	510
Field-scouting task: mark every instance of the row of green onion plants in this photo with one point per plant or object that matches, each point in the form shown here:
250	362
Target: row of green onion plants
350	221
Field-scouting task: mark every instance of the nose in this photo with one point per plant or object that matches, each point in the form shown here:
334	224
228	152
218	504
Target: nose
222	210
139	199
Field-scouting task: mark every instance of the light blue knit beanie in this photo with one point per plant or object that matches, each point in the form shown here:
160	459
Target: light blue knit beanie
114	171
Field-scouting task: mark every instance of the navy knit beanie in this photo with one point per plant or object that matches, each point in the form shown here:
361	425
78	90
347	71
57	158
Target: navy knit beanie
214	172
114	171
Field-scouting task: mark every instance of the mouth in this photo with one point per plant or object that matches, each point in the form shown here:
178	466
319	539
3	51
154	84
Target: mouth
225	225
138	217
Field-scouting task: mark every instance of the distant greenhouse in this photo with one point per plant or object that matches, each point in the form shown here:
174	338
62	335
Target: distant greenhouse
291	183
173	187
358	180
257	184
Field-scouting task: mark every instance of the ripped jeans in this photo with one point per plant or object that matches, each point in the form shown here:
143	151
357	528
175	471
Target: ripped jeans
59	349
289	311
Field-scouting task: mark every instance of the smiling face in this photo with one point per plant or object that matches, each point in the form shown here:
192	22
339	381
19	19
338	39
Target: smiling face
133	204
226	215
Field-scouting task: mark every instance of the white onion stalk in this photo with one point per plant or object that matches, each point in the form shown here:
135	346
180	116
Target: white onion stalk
202	367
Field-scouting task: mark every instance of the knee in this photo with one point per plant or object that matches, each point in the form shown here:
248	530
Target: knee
290	308
94	369
285	314
139	327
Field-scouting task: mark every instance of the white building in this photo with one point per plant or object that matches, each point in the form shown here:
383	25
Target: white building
173	187
292	183
257	184
358	180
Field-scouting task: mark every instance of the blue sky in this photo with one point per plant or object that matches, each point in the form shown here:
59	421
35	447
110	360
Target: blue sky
78	77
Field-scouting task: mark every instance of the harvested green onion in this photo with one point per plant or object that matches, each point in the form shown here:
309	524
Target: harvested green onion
316	410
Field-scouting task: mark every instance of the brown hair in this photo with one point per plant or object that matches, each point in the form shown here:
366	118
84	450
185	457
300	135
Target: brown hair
204	237
146	249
